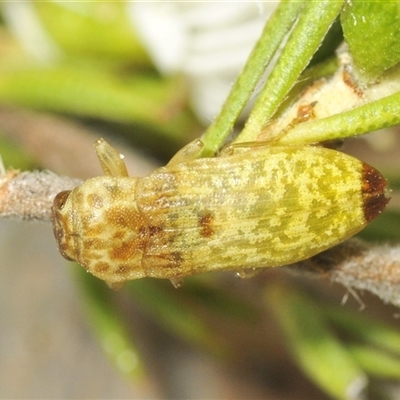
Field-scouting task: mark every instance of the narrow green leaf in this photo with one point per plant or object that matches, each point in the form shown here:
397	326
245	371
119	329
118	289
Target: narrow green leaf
219	301
274	32
363	328
375	115
318	353
376	362
161	301
331	42
312	25
372	32
108	327
92	29
90	92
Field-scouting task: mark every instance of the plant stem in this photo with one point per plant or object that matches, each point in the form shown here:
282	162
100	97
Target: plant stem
313	23
272	36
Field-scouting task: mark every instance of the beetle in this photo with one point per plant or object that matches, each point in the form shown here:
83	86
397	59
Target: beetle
251	207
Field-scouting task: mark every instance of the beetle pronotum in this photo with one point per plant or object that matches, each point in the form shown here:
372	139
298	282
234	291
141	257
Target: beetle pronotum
254	206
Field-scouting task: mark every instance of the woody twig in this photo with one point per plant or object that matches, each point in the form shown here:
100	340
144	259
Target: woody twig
354	264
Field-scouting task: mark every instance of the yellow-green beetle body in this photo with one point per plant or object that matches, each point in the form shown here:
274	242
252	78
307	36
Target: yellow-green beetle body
266	206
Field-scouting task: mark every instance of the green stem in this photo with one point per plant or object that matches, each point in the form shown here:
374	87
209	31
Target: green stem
313	23
366	118
272	36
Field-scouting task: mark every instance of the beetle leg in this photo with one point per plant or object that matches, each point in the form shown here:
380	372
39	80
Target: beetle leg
239	148
176	282
187	153
115	285
111	161
249	272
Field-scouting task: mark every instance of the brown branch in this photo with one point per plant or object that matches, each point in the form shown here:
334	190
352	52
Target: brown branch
354	263
359	265
29	195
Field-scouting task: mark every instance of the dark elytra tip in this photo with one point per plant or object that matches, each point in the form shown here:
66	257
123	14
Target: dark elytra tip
374	192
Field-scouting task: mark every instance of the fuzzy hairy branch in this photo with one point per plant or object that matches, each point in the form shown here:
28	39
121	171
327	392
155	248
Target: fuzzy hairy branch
359	265
29	195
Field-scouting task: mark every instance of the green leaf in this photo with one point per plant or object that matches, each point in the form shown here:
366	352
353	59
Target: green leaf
312	25
376	362
372	32
108	326
161	301
142	98
363	328
317	351
369	117
13	156
92	29
331	42
221	302
272	36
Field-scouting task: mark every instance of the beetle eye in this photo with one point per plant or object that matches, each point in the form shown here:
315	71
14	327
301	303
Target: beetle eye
60	199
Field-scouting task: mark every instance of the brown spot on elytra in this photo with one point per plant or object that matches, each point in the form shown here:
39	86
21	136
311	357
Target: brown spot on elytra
348	80
206	224
143	236
91	230
373	190
123	217
101	267
124	250
177	257
155	230
119	235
